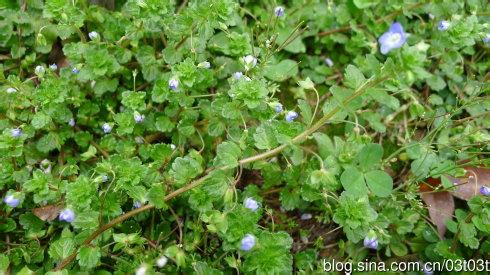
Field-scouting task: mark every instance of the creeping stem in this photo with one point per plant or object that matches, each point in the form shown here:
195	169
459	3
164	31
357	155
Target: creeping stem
373	81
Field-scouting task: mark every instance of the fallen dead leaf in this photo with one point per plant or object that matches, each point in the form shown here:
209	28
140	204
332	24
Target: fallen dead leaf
441	208
48	212
469	186
441	204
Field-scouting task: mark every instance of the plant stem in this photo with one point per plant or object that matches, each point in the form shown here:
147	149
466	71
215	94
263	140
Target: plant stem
378	21
373	81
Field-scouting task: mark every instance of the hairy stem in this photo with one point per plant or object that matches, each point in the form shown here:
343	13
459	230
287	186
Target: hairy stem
378	21
373	81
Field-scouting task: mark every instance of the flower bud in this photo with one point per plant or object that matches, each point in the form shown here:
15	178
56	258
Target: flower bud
173	84
279	11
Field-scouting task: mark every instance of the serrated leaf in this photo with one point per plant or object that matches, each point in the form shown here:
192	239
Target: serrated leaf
88	256
156	196
40	120
227	154
354	77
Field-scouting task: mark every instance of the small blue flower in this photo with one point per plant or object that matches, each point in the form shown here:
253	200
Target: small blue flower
75	70
394	38
443	25
104	178
53	67
15	133
11	201
67	215
71	122
278	108
329	62
486	39
371	243
39	70
485	191
93	35
173	84
306	216
237	75
279	11
291	115
138	118
137	204
251	204
248	242
11	90
106	128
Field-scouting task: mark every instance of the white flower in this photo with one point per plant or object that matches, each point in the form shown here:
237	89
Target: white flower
141	270
249	61
204	64
237	75
162	261
329	62
93	35
306	216
11	90
39	70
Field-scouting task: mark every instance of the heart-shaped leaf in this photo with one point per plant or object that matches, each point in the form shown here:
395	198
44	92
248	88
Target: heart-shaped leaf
380	183
353	182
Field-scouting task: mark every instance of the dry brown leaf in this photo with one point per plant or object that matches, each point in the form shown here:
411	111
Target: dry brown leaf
470	185
48	212
441	208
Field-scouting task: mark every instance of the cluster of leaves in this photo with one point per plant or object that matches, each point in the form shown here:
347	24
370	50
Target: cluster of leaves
321	131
